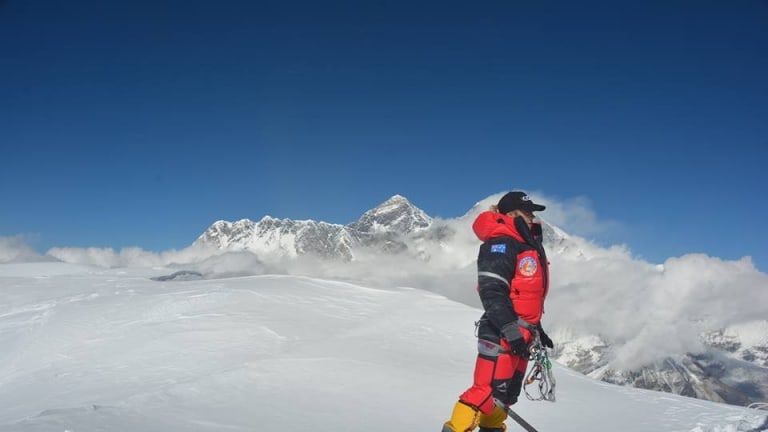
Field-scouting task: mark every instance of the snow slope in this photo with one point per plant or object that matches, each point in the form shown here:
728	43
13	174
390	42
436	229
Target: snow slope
88	349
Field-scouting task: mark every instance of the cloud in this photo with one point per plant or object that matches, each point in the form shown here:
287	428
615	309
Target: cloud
644	311
131	257
576	216
647	312
15	249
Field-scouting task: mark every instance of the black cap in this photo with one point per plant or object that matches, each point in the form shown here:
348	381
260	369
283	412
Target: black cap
517	200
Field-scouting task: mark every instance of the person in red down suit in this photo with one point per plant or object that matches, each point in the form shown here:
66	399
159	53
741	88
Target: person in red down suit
513	279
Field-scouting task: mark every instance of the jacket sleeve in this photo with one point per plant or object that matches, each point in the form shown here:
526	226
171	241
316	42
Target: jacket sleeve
495	269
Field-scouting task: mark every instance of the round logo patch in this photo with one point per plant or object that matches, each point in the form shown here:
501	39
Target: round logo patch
527	266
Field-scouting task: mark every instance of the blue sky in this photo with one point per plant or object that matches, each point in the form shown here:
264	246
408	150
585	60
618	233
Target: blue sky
140	123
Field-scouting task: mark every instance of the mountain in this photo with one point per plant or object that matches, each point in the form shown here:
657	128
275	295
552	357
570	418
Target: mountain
283	238
730	370
395	215
383	227
94	349
731	366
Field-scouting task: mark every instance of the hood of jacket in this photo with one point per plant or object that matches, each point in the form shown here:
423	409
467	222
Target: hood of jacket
489	225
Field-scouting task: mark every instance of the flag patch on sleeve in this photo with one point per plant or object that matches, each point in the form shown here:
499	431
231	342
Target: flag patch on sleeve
499	248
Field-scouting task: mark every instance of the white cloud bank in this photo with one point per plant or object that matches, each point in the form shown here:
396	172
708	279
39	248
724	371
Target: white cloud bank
15	249
575	216
645	311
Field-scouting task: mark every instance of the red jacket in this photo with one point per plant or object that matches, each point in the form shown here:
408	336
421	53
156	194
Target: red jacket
512	280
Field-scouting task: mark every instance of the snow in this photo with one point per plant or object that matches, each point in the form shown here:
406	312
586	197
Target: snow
750	334
87	349
577	349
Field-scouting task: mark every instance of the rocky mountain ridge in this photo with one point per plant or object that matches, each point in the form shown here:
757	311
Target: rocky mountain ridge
384	227
729	371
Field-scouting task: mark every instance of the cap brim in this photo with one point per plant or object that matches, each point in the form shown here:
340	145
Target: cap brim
532	207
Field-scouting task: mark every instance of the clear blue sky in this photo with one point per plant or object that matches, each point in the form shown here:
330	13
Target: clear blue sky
142	122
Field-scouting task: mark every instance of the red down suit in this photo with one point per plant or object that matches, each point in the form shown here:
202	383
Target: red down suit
513	279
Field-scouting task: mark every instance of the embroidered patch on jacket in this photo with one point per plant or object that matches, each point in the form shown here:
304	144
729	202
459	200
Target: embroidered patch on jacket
527	266
499	248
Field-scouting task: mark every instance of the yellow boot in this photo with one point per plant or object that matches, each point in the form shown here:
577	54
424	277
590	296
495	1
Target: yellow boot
464	419
493	422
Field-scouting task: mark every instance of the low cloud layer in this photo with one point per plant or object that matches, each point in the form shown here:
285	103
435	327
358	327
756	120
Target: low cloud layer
645	311
15	249
648	312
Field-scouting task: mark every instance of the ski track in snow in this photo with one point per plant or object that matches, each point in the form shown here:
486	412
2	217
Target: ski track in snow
92	350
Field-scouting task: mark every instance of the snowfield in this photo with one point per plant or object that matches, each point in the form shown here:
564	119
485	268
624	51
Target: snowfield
89	349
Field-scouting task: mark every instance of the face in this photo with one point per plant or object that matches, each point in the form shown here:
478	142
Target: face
527	216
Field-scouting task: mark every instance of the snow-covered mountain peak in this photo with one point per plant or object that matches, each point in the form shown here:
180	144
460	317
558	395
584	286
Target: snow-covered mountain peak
395	204
223	233
394	226
396	214
279	238
392	204
382	227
